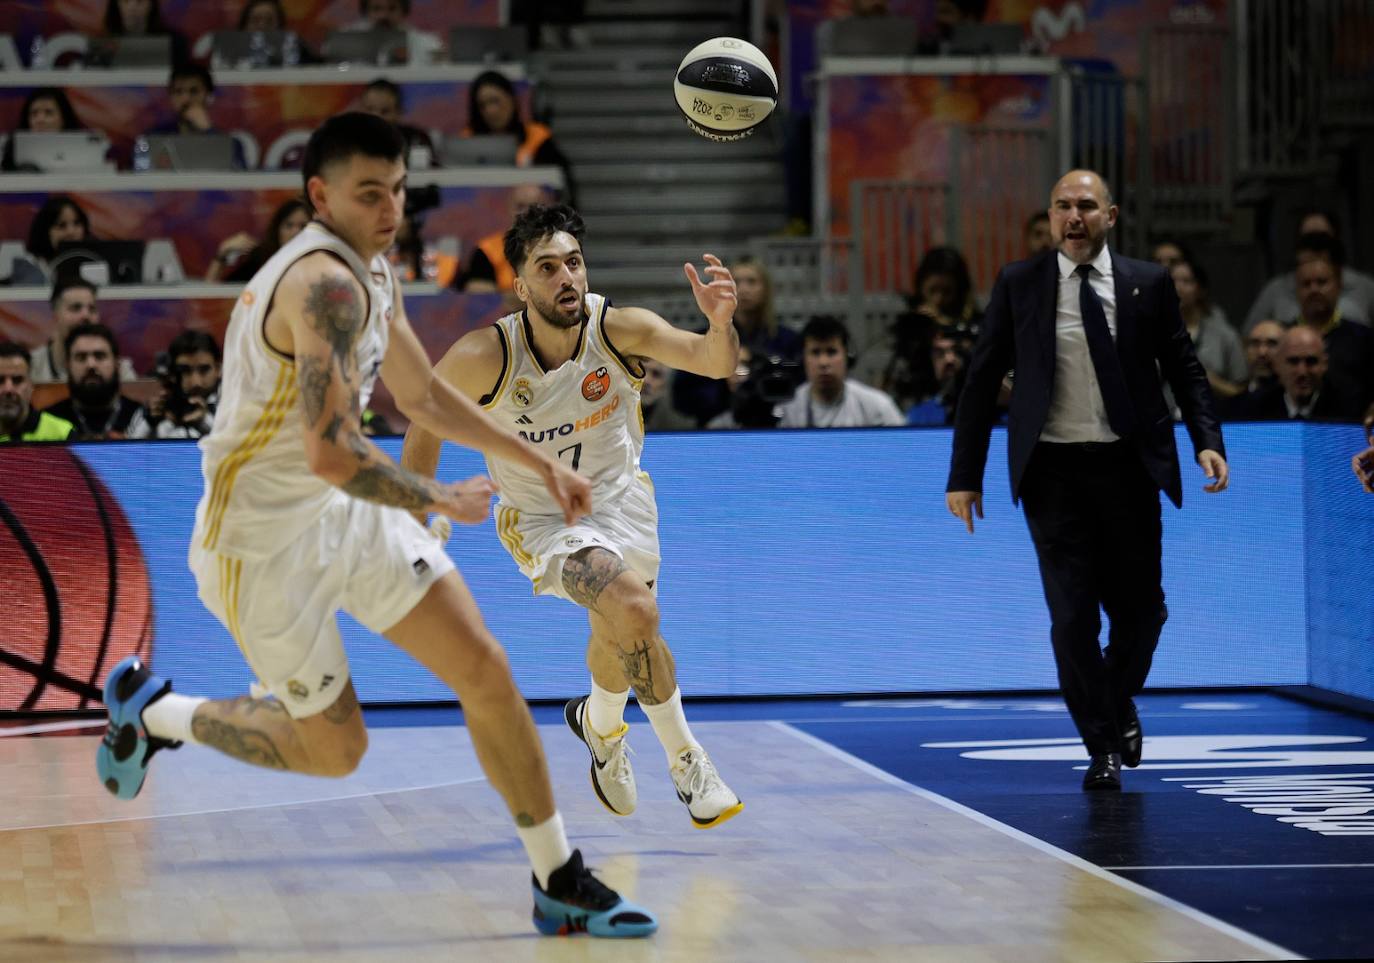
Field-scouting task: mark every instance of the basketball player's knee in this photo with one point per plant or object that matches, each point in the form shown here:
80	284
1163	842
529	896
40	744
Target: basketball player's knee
487	670
637	616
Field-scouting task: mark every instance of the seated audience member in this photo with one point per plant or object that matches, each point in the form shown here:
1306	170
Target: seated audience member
18	420
143	18
1037	236
1349	346
59	220
1362	463
422	47
184	407
944	291
240	257
95	407
384	99
655	400
757	388
1216	343
1278	297
756	321
73	302
830	398
488	270
949	352
1167	252
1261	346
190	92
415	260
46	110
267	16
494	109
1304	391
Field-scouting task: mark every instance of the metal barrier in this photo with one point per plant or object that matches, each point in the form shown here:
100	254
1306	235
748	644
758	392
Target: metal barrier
802	267
894	223
1109	121
1001	176
1277	67
1344	29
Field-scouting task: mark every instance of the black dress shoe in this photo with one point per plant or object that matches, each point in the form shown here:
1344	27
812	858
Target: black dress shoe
1104	773
1132	738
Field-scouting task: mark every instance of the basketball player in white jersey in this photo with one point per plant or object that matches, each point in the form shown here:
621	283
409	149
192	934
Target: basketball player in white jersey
302	516
565	372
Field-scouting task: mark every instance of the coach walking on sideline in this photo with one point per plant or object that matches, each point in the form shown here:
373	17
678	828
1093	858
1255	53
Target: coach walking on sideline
1090	445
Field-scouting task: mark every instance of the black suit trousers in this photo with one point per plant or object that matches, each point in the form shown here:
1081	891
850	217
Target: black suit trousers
1093	513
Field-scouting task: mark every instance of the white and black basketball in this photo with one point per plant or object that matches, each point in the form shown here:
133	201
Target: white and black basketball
725	88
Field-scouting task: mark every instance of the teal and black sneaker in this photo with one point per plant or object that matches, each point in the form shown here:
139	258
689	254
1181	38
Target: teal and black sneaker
578	902
124	753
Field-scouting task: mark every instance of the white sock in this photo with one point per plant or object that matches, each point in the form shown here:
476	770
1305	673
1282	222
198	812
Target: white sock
670	725
606	710
547	847
170	717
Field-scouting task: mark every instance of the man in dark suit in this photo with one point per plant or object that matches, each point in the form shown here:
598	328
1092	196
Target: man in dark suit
1304	391
1090	444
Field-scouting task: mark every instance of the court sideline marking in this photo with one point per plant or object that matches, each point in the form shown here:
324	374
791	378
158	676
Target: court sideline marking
1272	949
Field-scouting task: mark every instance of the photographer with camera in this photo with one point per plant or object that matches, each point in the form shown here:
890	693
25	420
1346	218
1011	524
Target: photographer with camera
189	371
949	353
758	386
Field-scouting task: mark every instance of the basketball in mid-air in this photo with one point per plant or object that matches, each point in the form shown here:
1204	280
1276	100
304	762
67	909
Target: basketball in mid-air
725	88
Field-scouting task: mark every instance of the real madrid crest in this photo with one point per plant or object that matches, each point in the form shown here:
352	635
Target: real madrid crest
521	393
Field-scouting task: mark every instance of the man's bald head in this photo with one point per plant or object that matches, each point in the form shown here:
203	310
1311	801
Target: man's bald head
1301	362
1081	214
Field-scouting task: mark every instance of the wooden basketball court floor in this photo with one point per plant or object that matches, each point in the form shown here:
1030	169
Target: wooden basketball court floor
413	858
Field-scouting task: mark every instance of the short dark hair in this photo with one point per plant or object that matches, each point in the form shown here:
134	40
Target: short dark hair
65	282
535	224
346	135
825	327
192	70
92	330
1199	272
1035	219
362	7
386	86
11	349
248	8
949	262
38	243
1327	247
193	342
114	20
476	122
58	96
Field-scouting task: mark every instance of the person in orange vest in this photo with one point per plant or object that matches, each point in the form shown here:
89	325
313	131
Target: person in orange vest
494	109
488	269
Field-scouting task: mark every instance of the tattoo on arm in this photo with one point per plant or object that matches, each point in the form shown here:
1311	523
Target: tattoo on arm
336	313
343	707
639	670
249	745
386	482
314	378
587	573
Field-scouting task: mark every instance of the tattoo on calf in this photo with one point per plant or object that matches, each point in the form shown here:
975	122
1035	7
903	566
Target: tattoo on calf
524	820
587	573
639	671
249	745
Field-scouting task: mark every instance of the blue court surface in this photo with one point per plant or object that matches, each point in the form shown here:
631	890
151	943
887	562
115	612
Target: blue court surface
1249	806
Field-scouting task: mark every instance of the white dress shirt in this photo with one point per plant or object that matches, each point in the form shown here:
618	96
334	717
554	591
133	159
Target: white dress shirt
1077	411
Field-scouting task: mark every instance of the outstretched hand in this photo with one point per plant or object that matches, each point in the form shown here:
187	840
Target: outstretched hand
716	298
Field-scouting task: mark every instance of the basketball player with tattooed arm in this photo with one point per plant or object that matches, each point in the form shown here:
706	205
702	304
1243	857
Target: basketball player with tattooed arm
566	373
302	516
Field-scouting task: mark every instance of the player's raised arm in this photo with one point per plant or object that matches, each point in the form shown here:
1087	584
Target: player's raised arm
714	354
440	411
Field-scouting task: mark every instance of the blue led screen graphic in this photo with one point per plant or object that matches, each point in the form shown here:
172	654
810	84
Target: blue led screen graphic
816	562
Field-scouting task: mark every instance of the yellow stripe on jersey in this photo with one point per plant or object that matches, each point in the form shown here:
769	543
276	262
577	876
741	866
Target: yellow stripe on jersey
229	571
273	414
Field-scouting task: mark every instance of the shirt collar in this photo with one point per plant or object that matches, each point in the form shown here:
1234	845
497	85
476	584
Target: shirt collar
1296	410
1102	264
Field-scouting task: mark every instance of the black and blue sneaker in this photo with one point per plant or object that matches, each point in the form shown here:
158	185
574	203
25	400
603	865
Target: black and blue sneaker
124	753
578	902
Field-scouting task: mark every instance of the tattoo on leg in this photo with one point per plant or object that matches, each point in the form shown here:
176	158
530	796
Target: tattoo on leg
343	707
524	820
639	671
249	745
587	573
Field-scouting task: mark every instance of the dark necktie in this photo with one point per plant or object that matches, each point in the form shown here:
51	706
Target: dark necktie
1110	378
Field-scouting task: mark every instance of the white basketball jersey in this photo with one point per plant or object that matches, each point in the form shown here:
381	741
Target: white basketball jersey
586	413
259	491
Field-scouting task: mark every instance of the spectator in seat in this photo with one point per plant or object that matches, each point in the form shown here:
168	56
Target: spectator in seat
1261	347
143	18
185	405
830	398
190	92
59	220
1278	297
949	354
46	109
95	407
1216	343
383	99
1167	252
488	270
1304	391
240	257
262	15
656	402
414	260
73	302
1349	346
422	47
494	109
1037	235
18	420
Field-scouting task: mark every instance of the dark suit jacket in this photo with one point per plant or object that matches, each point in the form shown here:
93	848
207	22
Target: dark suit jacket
1267	405
1018	332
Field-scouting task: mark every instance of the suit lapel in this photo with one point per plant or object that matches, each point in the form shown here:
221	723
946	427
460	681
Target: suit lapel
1047	306
1127	295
